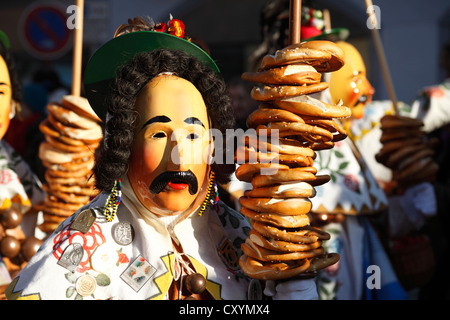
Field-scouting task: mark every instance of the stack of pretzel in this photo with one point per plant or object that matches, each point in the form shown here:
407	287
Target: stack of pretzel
406	151
72	134
282	244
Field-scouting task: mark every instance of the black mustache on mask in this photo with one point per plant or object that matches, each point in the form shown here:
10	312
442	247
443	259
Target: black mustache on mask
164	178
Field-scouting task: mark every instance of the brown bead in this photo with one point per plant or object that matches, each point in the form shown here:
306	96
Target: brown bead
2	232
9	247
190	298
30	246
195	283
11	218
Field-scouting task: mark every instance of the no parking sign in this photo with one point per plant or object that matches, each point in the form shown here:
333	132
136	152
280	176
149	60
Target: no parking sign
43	31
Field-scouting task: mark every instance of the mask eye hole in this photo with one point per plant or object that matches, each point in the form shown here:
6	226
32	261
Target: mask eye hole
159	135
193	136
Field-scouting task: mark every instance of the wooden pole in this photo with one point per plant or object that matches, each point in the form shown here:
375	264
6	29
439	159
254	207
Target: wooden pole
295	18
327	20
78	50
381	54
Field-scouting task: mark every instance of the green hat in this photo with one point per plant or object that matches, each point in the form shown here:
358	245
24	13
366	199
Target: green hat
335	34
101	68
4	39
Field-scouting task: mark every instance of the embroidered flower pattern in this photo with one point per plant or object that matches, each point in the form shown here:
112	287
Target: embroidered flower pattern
122	257
89	242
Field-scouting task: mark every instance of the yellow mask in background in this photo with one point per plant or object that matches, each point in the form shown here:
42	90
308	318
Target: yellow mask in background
5	97
350	83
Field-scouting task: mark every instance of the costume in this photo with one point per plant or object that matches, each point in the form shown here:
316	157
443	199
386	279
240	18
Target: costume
347	204
157	222
132	258
20	189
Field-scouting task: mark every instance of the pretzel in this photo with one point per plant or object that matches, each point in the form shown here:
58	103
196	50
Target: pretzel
284	146
71	189
61	145
79	174
330	125
395	121
304	130
68	117
272	270
323	261
289	206
53	178
67	197
276	92
294	55
49	153
284	221
293	74
265	114
286	190
91	135
253	250
250	155
304	234
79	105
288	176
76	165
325	56
405	151
306	105
245	172
279	245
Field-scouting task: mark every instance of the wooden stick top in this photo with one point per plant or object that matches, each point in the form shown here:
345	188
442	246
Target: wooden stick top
381	54
78	50
295	21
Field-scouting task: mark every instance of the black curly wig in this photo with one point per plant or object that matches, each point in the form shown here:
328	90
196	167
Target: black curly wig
115	150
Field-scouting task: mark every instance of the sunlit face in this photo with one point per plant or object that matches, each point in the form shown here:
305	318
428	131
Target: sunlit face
168	165
5	97
350	82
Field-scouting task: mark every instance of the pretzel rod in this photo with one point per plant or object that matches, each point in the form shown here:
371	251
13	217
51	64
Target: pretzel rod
78	50
381	54
295	14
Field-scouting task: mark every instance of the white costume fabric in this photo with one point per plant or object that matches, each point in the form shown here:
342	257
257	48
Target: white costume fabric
132	258
19	188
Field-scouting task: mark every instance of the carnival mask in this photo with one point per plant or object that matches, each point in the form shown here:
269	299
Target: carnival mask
168	167
350	83
6	105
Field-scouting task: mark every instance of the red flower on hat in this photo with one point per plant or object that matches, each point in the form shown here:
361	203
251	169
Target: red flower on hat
161	27
176	28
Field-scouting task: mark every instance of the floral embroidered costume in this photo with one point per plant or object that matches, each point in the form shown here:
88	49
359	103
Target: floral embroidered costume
129	258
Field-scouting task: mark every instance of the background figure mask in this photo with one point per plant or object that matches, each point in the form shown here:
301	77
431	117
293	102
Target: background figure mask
350	83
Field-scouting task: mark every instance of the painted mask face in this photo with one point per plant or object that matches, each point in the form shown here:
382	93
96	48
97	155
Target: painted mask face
350	83
168	167
5	97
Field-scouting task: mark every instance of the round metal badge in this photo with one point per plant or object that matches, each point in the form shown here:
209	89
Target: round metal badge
123	233
85	285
